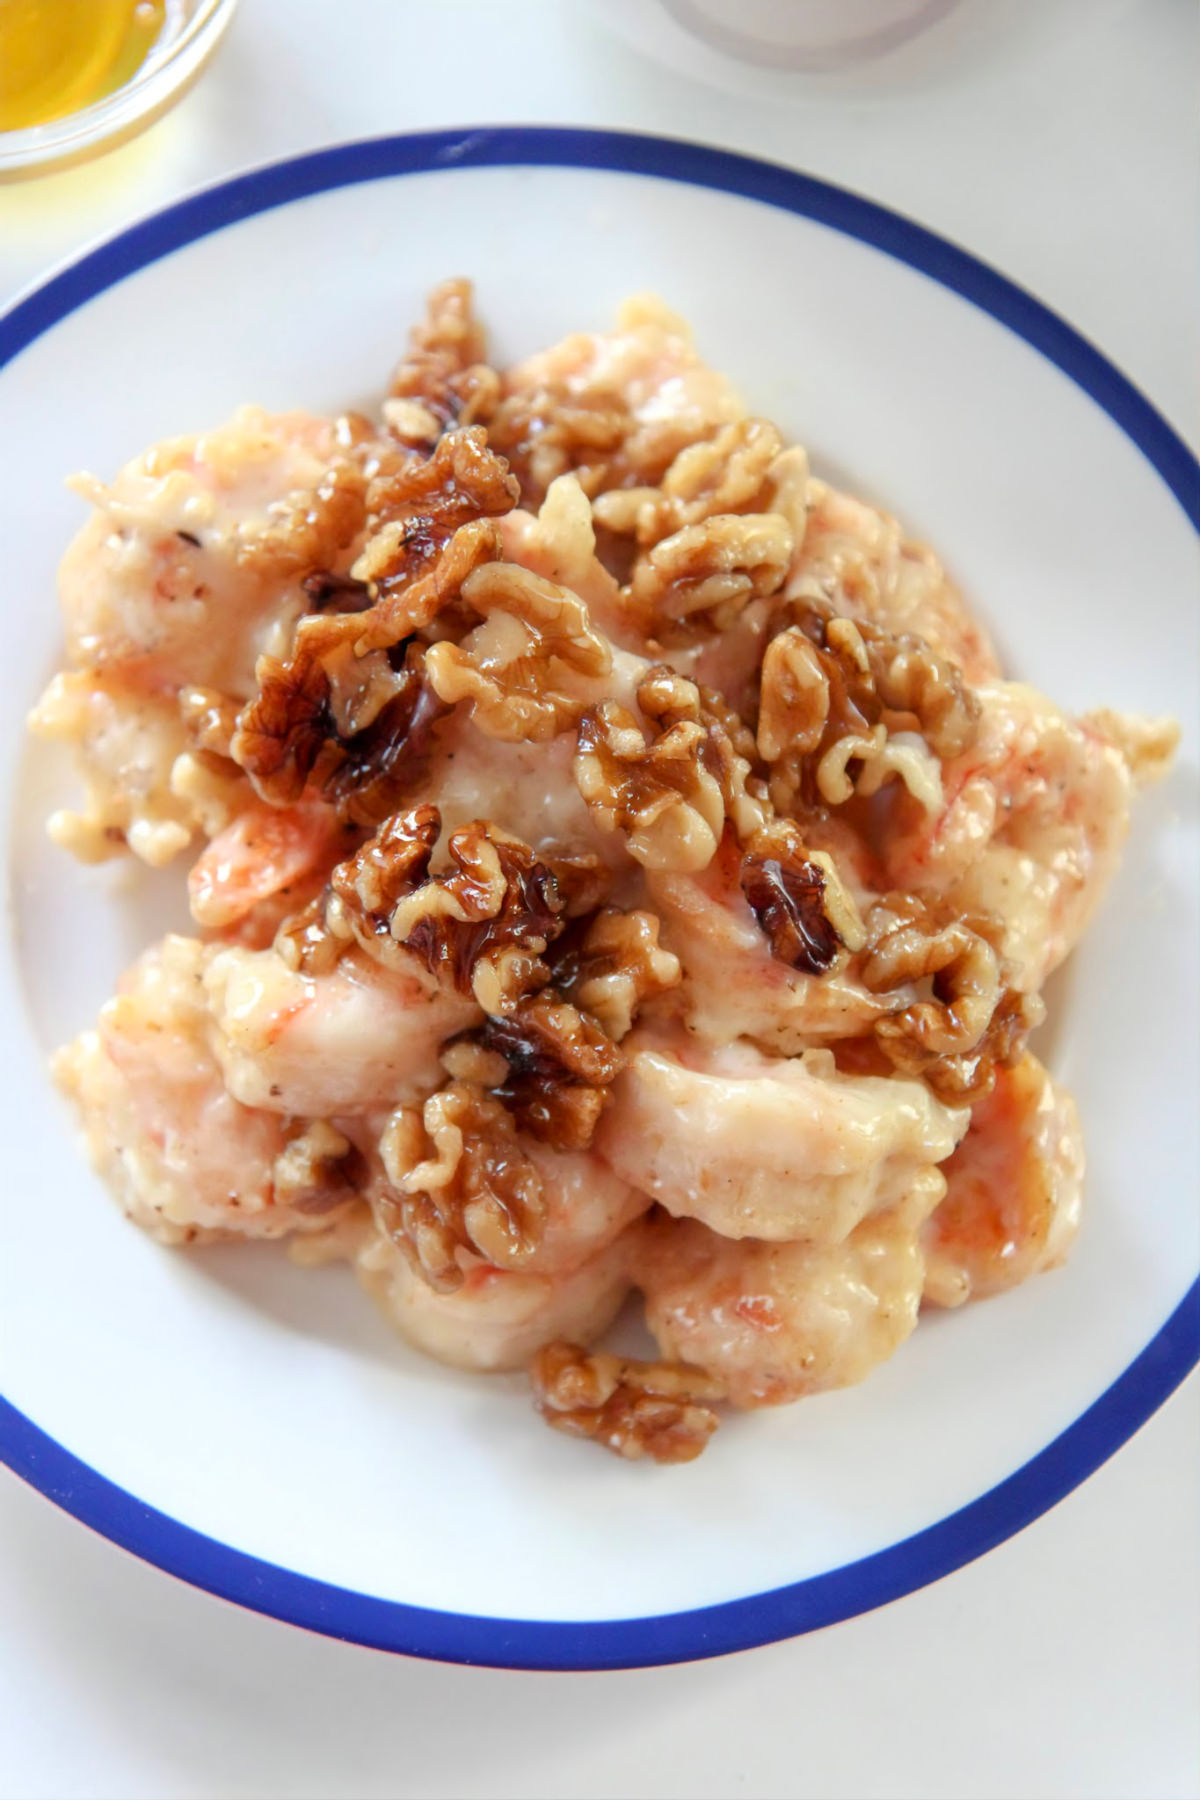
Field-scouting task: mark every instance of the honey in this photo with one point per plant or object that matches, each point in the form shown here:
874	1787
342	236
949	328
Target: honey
58	56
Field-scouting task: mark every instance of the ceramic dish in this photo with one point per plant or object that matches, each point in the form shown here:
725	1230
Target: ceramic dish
254	1427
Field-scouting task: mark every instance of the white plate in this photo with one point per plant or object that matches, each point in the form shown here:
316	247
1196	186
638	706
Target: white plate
254	1427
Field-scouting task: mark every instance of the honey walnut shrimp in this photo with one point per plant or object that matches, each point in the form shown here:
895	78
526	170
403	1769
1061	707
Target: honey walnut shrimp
616	862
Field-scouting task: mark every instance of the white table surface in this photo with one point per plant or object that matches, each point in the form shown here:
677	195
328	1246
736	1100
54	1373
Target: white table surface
1057	139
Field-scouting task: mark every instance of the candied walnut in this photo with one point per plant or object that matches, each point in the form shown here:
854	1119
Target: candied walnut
658	793
337	683
445	378
365	890
612	964
661	1410
310	528
560	1065
431	497
459	1180
330	593
971	1022
514	668
728	473
805	913
314	1173
484	927
383	765
909	678
845	705
545	432
305	943
671	795
281	732
411	596
711	569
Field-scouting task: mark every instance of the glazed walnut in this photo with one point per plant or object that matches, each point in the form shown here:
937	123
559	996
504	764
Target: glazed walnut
515	669
805	913
559	1066
970	1022
729	473
314	1173
670	794
614	963
445	378
309	529
635	1409
458	1180
844	706
710	571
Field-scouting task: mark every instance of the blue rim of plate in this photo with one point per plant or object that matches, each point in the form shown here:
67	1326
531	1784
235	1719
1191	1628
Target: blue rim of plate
840	1593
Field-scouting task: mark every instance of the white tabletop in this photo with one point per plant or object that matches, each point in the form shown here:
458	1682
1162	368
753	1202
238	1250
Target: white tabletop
1056	139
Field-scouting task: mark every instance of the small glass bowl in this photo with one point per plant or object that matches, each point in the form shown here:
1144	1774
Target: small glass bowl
191	32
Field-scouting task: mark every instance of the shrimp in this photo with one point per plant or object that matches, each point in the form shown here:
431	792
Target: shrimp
499	1318
765	1147
265	852
733	986
861	560
130	737
358	1037
774	1322
183	567
186	1160
1035	815
1014	1190
187	571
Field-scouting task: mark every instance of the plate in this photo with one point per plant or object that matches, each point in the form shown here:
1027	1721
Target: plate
255	1428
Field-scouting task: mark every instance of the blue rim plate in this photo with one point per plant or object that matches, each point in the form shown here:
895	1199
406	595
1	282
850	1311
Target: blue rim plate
840	1593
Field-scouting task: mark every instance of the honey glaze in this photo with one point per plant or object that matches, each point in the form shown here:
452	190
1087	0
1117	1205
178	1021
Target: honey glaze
58	56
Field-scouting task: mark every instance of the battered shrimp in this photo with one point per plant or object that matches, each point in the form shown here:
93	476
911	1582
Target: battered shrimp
774	1322
499	1318
1014	1190
764	1147
733	985
1035	815
183	565
184	1158
359	1037
188	569
267	851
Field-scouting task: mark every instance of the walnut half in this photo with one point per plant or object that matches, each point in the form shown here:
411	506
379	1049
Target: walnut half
635	1409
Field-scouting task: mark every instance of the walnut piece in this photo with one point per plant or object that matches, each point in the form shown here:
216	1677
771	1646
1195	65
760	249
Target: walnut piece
313	1174
726	474
445	378
613	963
807	916
514	669
309	529
337	680
634	1409
459	1180
845	705
672	794
559	1063
712	570
971	1022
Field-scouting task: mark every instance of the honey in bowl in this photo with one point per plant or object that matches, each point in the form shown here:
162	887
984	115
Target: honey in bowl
58	56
